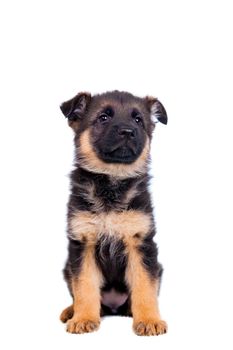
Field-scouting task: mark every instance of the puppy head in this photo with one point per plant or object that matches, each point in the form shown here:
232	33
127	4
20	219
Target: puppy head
113	131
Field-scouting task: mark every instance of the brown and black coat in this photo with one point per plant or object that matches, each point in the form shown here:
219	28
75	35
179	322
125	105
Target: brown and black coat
112	265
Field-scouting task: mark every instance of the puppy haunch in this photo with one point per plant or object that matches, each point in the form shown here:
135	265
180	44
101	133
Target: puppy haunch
112	265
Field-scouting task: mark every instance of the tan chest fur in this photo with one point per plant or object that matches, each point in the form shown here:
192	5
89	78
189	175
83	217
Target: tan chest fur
124	225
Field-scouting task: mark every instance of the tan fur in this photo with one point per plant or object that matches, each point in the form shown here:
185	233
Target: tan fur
86	291
130	194
74	124
121	225
91	162
144	303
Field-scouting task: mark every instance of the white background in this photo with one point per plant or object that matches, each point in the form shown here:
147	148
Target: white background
179	51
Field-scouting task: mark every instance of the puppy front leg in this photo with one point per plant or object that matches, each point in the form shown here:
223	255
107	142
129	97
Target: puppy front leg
86	293
144	303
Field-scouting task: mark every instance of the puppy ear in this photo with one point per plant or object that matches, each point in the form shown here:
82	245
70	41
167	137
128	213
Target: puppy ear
75	108
158	112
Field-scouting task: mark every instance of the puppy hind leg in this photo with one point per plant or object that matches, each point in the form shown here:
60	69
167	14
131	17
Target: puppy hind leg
67	314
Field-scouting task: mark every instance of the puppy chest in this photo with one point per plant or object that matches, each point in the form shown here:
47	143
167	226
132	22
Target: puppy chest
105	195
125	224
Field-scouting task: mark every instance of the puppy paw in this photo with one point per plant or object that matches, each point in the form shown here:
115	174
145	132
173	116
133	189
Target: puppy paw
67	314
150	327
82	326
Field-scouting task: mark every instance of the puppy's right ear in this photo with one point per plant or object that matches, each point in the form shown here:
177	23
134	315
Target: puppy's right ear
76	107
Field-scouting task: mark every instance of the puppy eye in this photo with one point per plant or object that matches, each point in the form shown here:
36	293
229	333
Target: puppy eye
136	116
103	117
138	119
106	115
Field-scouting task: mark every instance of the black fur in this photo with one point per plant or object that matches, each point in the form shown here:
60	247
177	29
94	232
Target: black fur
73	264
111	193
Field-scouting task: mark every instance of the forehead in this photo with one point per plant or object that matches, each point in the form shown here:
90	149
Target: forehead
119	101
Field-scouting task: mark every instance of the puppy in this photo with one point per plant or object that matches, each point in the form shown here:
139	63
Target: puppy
112	266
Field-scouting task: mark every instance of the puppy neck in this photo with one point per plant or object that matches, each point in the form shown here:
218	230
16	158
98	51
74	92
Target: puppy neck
85	175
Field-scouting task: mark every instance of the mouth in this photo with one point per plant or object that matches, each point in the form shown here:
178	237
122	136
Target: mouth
122	154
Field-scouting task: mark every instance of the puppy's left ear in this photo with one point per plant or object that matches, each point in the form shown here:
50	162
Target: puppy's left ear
157	110
76	107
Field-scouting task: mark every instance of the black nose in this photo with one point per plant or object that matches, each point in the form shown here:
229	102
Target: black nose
127	132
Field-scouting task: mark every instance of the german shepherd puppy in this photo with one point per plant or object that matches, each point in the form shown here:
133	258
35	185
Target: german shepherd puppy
112	266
